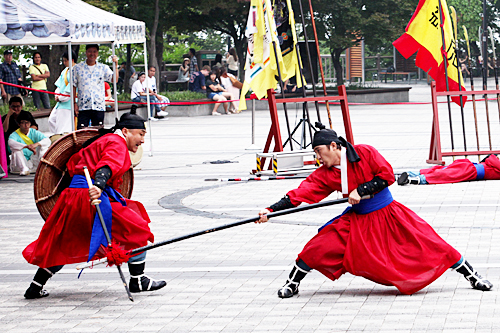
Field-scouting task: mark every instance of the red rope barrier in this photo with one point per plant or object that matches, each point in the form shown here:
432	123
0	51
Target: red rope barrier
232	100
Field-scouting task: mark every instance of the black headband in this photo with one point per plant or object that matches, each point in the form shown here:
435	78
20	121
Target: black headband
327	136
132	124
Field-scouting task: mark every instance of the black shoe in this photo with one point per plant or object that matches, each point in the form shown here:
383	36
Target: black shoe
476	280
35	292
146	284
288	290
403	179
480	283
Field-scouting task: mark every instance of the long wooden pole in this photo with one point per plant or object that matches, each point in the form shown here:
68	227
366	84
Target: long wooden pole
472	85
320	62
96	203
445	60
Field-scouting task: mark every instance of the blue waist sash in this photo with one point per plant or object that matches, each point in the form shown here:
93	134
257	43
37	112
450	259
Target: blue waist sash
366	206
479	171
98	237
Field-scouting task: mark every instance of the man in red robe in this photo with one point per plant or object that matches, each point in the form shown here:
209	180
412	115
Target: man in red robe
377	238
71	234
461	170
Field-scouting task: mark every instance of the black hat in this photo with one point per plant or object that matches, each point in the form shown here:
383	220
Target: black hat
7	52
131	120
326	136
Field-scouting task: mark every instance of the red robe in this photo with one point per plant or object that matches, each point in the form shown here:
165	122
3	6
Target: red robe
462	170
65	236
390	246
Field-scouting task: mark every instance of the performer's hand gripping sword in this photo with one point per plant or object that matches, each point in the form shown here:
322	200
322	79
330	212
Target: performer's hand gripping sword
96	203
222	227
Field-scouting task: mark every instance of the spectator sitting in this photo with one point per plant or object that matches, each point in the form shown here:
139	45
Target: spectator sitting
184	71
9	72
9	121
216	92
60	119
108	97
232	62
27	145
232	85
160	108
197	80
193	65
39	74
139	95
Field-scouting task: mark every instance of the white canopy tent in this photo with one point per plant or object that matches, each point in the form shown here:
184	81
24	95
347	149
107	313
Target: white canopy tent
47	22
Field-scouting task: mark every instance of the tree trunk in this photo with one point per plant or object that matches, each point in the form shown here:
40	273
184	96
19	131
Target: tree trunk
153	60
337	64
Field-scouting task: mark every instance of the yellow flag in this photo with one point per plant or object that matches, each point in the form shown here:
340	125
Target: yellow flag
261	68
423	34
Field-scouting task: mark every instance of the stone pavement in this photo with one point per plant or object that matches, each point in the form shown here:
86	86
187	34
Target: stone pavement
227	281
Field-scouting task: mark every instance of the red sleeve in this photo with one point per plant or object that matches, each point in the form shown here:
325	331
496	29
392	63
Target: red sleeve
377	163
112	152
315	188
493	162
106	86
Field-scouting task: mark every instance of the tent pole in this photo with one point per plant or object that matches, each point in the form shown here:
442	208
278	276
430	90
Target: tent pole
71	95
148	100
115	72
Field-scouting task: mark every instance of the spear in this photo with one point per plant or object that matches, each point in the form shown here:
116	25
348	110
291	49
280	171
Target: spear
222	227
495	68
96	203
471	84
455	30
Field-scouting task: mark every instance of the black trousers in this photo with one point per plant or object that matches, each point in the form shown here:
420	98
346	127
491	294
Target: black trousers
88	118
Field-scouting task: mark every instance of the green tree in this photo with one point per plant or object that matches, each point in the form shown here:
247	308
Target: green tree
227	17
344	23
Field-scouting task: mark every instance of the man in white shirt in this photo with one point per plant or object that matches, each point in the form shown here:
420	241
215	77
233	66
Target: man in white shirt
153	91
89	77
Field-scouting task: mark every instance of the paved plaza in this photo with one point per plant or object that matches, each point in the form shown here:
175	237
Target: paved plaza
227	281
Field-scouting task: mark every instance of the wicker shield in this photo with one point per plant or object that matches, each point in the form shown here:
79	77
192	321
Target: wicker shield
52	177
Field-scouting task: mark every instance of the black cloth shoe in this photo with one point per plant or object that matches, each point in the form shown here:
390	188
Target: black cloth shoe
403	179
291	286
140	282
35	291
476	280
145	284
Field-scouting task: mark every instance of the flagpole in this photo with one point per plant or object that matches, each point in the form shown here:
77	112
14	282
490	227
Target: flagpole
283	95
495	66
455	29
320	62
445	60
306	39
471	84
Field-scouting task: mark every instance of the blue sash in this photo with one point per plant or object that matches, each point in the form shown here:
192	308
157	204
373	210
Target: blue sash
479	171
366	206
98	237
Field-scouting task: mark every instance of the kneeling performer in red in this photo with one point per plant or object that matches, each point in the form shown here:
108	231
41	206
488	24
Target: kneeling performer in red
73	233
377	238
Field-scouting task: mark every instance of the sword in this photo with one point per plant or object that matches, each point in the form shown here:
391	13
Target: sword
222	227
96	203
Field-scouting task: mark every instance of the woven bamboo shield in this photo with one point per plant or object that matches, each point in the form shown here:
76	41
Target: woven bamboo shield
52	176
